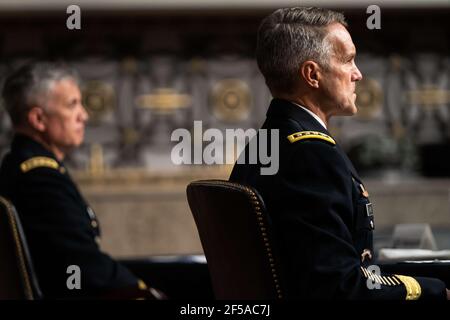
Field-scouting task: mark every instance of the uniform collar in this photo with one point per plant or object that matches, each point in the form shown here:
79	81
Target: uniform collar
315	116
280	108
28	147
284	108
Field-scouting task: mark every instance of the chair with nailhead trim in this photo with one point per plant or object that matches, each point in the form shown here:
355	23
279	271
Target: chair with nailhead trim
17	277
236	237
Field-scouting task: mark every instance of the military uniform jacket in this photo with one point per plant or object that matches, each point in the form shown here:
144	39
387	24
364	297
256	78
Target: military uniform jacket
322	216
61	229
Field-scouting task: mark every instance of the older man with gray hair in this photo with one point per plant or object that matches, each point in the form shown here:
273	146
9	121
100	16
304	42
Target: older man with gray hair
45	106
318	204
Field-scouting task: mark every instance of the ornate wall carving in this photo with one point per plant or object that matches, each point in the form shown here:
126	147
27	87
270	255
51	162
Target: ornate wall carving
145	77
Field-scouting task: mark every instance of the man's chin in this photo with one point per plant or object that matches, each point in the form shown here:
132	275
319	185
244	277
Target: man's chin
348	111
351	110
80	142
76	144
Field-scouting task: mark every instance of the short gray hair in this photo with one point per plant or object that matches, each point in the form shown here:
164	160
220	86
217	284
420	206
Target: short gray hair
287	38
29	86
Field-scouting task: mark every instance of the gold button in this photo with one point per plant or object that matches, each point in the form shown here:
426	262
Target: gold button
94	224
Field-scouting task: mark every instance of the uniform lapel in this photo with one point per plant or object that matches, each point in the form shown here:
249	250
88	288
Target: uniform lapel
349	164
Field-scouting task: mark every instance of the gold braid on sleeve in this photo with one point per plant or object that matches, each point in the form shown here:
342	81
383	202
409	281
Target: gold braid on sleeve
413	289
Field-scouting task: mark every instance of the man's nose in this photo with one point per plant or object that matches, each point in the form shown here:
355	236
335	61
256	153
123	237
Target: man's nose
84	114
356	75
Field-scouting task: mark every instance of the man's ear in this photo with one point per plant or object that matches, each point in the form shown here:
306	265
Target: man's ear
36	119
310	72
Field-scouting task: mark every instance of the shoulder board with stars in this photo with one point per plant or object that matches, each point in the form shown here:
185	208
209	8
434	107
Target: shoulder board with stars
304	135
38	162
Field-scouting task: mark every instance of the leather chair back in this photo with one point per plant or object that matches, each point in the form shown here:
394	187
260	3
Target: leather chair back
237	240
17	278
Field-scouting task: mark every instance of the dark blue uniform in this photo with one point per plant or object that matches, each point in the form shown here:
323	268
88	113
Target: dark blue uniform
322	216
61	229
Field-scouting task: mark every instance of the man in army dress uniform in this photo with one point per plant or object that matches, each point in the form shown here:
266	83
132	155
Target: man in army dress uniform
318	204
44	103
